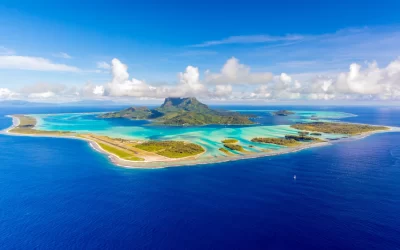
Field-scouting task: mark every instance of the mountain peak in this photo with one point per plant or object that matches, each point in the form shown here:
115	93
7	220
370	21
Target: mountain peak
175	101
187	103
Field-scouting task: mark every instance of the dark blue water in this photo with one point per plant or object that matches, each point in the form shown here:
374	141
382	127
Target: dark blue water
60	194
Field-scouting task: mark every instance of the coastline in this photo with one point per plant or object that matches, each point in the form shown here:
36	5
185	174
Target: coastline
116	160
189	160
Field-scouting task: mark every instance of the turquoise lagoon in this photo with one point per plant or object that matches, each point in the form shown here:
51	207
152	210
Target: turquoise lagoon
209	137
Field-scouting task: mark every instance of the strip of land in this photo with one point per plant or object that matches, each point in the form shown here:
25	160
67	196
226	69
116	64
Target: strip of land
339	128
127	150
230	140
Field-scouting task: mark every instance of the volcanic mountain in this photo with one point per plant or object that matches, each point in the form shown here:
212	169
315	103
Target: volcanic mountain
181	111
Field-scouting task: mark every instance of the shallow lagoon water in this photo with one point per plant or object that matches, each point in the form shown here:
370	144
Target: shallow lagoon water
209	137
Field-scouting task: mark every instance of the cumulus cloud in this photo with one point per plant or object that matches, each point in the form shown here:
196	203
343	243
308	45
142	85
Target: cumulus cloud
234	82
98	90
285	78
188	84
89	90
281	87
222	91
318	88
121	85
235	73
383	83
51	92
7	94
190	77
371	83
42	95
33	63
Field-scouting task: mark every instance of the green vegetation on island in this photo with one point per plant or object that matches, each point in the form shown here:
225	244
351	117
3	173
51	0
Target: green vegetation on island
303	133
123	154
171	149
182	112
302	138
282	113
134	113
338	128
224	150
278	141
316	134
289	140
235	147
229	140
125	149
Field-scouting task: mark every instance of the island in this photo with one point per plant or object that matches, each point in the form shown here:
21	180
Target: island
182	112
234	147
177	146
278	141
337	128
230	140
26	125
123	149
225	151
282	113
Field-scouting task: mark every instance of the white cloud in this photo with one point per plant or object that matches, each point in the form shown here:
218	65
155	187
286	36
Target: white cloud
189	84
33	63
235	73
190	77
103	65
222	90
88	90
358	83
51	92
382	83
285	78
43	95
7	94
122	86
119	71
98	90
371	83
190	80
62	55
249	40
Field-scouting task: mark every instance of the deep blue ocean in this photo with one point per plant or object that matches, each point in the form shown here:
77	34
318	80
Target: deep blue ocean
60	194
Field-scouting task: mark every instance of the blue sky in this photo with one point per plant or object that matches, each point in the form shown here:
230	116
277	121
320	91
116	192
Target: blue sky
44	44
